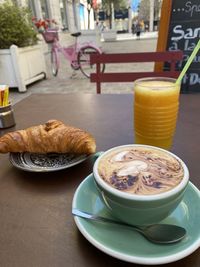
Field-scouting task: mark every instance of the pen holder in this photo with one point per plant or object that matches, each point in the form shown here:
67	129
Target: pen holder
6	117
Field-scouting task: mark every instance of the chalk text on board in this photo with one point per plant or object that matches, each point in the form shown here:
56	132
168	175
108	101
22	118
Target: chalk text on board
189	33
191	9
188	45
193	78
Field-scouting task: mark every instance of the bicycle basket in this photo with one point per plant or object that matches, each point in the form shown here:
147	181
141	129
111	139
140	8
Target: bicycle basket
50	35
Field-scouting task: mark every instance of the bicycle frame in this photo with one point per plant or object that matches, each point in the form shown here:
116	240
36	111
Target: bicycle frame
71	52
78	54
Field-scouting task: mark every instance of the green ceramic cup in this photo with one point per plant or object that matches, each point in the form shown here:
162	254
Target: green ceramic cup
140	209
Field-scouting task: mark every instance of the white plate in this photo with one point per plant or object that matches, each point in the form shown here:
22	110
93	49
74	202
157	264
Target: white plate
125	244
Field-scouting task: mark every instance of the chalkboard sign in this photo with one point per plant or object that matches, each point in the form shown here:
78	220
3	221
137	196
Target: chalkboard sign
183	33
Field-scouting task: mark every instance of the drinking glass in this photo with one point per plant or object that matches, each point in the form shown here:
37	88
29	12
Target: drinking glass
155	111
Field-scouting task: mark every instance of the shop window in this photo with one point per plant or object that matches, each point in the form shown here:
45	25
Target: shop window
74	11
44	7
63	12
82	18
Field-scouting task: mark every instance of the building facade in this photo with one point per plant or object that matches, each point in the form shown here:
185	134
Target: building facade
71	15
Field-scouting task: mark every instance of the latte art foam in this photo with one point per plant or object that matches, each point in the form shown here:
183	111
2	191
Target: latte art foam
143	171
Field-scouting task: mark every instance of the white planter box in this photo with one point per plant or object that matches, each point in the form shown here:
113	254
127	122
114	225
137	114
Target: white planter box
21	66
109	35
93	36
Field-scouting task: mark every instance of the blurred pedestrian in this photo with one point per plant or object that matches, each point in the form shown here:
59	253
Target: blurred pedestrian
102	26
133	26
138	30
142	25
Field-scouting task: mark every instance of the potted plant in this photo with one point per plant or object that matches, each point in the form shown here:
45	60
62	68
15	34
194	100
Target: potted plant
21	59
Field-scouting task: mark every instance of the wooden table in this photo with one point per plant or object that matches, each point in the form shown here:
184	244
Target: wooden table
36	225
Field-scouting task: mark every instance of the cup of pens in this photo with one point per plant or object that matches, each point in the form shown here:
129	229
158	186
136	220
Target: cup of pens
6	112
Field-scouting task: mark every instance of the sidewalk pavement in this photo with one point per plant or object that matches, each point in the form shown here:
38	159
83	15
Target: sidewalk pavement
143	35
65	82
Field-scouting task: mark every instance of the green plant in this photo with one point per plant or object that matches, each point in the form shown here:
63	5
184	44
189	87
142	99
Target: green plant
16	26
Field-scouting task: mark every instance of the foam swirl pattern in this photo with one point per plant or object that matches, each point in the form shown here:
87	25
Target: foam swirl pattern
140	170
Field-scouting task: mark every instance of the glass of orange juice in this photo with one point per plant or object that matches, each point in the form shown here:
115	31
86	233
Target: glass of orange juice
155	111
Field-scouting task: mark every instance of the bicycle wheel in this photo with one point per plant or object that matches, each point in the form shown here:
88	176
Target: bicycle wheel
54	62
84	60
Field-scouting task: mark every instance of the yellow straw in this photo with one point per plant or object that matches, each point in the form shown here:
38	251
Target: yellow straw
196	49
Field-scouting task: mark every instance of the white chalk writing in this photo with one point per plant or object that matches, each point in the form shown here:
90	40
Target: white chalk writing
189	33
191	8
184	36
192	78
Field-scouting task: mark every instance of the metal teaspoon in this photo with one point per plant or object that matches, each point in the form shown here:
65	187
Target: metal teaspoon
156	233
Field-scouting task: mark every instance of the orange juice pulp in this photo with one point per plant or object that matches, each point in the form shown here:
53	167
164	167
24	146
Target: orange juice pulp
155	111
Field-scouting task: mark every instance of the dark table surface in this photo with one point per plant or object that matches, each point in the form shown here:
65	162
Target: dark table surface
36	225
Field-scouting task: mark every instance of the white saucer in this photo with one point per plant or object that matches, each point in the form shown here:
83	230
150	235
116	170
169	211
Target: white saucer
125	244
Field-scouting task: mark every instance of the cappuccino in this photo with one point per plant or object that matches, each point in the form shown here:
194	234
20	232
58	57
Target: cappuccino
140	170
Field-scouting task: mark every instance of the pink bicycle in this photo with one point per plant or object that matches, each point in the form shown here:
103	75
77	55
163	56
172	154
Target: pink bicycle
78	54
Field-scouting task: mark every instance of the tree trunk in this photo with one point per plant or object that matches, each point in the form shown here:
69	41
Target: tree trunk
88	19
110	15
151	19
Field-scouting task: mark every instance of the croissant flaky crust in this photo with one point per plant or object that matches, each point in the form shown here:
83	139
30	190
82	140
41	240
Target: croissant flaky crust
53	136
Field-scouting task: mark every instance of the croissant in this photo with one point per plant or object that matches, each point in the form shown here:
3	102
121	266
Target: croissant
53	136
